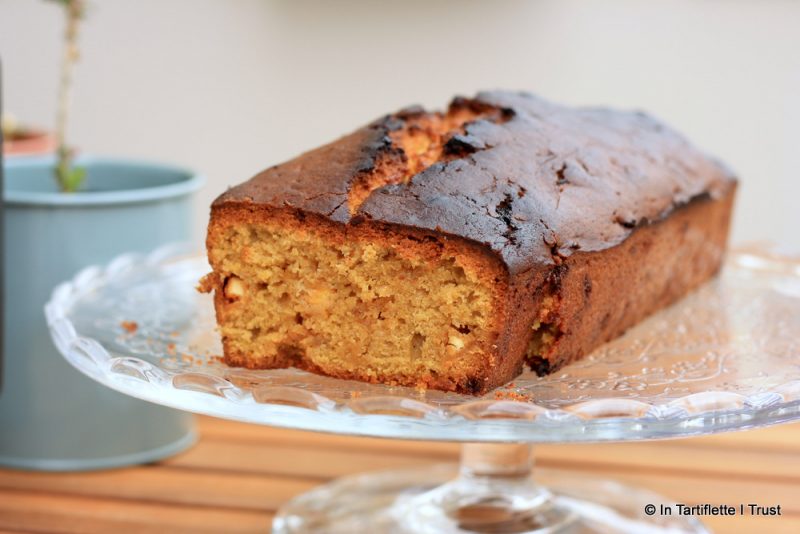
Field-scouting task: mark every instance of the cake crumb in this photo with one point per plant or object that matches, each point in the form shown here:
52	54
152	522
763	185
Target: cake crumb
171	349
511	395
130	326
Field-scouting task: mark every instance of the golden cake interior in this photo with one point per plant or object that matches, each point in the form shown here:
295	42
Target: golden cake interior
355	305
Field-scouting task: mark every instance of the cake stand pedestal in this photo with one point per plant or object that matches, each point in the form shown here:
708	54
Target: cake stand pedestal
724	358
491	492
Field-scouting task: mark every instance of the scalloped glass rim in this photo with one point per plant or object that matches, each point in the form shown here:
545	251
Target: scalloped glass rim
170	360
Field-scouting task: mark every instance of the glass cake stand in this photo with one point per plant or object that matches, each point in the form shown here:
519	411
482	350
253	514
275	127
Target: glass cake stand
727	357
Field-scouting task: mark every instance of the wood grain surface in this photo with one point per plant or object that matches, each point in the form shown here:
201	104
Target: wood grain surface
237	475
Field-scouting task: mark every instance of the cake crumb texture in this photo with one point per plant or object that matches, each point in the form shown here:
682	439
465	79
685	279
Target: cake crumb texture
360	306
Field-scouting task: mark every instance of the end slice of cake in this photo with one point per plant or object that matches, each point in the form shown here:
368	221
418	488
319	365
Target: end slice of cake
447	250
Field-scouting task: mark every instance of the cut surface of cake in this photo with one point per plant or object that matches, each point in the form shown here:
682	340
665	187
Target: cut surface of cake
448	250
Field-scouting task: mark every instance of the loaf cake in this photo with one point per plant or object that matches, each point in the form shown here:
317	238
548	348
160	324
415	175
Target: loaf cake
448	250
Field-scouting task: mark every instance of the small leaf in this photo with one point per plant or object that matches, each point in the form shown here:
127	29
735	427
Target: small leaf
74	179
78	7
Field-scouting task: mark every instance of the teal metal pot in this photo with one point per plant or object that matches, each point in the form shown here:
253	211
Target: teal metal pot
51	416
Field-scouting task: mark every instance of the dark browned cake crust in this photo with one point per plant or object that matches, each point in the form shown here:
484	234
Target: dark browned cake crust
579	222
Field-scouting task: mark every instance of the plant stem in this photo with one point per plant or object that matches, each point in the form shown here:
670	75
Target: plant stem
68	179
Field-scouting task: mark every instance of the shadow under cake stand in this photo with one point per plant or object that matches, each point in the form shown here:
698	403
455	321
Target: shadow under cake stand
724	358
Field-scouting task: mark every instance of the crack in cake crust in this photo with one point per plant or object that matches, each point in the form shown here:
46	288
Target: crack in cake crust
417	139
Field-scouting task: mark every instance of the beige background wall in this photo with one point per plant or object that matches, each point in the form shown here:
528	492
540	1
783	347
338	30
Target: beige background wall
231	86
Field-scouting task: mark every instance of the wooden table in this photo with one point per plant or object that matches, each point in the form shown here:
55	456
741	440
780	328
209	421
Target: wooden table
235	478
